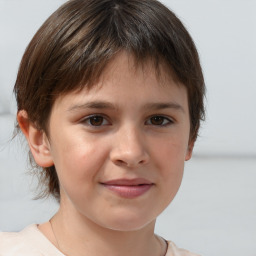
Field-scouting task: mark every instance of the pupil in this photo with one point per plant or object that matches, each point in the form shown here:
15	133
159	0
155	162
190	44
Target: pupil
157	120
96	120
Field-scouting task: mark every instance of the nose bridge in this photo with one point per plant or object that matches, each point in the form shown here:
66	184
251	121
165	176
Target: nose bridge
129	148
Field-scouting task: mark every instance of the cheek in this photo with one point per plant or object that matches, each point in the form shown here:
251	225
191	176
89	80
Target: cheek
169	153
169	160
77	163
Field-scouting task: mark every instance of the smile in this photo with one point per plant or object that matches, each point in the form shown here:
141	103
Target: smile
128	188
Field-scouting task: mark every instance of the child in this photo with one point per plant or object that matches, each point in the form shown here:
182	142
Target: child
110	98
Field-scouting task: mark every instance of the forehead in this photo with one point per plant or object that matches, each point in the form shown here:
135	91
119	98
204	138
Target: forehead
126	66
126	81
123	63
145	69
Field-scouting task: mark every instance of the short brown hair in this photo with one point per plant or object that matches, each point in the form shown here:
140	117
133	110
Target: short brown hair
74	45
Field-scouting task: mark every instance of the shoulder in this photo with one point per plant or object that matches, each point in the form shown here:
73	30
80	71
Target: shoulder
173	250
13	243
28	242
18	243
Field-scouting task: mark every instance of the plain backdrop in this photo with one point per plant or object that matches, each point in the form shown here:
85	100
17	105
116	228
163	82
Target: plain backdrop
214	212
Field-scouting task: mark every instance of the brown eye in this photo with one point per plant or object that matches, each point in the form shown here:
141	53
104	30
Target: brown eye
159	121
96	120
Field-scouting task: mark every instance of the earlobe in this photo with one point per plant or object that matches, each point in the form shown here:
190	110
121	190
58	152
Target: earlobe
189	150
37	140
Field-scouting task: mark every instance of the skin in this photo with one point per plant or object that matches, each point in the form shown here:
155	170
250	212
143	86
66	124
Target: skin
141	131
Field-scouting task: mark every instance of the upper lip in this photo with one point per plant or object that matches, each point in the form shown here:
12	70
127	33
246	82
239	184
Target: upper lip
128	182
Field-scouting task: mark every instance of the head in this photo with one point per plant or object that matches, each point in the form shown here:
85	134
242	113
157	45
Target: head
76	44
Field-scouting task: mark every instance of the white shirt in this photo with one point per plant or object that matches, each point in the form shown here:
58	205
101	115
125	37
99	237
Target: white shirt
31	242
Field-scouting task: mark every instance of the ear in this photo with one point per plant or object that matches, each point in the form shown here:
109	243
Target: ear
37	140
189	150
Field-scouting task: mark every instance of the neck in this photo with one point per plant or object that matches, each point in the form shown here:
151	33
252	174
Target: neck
77	235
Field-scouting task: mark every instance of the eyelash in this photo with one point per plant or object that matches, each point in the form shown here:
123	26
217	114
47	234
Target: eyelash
166	121
88	120
104	121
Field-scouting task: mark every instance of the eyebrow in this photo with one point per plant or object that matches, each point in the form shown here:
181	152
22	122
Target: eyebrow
93	104
108	105
167	105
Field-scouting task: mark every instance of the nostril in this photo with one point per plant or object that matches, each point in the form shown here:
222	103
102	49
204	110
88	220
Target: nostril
120	162
128	156
130	164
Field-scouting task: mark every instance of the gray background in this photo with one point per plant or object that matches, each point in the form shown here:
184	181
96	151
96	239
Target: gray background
214	212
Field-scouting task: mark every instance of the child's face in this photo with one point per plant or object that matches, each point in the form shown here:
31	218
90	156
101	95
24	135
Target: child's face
119	148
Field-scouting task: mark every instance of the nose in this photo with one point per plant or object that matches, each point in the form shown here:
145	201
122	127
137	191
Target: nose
129	148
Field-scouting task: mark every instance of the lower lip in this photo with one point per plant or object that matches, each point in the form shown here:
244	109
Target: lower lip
129	191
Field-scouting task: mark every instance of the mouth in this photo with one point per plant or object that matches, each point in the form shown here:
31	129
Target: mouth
128	188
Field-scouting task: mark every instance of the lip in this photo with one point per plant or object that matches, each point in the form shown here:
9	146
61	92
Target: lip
128	188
